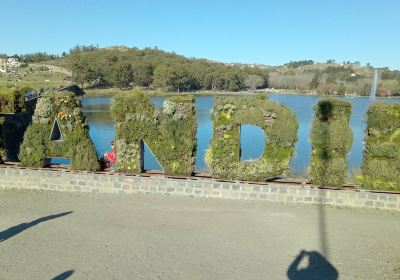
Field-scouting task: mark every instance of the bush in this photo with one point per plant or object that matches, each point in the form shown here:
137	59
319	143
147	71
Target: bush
279	125
381	164
64	110
12	100
169	133
331	138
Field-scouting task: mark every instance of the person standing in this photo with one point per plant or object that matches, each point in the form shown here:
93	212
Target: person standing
110	158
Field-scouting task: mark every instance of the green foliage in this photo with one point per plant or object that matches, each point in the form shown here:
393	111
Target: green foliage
234	81
12	100
315	81
169	133
390	75
36	57
122	73
300	63
279	125
152	67
83	48
76	144
342	89
174	78
331	138
381	164
143	74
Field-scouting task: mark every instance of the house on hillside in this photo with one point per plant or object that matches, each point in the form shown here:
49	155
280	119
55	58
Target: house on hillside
7	64
13	62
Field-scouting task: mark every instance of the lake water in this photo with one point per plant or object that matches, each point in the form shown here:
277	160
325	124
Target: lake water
101	129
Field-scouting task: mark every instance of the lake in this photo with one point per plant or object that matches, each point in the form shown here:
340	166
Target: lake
101	129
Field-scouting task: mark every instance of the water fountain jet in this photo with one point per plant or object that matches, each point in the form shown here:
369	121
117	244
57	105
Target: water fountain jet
374	85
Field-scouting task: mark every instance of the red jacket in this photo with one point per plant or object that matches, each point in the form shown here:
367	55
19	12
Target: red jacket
111	157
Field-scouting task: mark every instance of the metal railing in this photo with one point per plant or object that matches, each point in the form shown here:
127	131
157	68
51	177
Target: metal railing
32	95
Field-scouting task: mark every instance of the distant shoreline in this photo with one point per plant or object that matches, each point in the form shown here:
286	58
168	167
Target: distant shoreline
114	91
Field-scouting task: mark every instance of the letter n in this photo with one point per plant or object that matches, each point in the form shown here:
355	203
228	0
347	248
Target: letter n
169	132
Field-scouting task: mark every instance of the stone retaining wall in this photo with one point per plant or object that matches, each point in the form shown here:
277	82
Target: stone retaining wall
46	179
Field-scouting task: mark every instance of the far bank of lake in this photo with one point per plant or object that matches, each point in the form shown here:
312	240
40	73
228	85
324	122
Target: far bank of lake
113	91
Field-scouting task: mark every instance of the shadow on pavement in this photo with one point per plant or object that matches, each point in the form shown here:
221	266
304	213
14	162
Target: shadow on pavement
12	231
64	275
318	267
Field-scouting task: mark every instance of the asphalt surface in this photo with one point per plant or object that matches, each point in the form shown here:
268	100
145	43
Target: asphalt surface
54	235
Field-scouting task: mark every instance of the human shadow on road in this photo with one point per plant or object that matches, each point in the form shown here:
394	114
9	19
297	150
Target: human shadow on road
64	275
319	268
12	231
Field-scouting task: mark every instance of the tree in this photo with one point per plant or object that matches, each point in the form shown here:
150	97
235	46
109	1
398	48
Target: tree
297	64
253	82
123	73
173	78
214	80
233	81
83	48
183	80
162	77
80	72
315	81
210	81
99	67
143	74
342	89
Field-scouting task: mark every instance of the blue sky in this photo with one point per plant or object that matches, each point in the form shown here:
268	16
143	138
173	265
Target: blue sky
252	31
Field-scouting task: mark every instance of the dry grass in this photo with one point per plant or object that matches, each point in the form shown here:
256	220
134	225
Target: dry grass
37	76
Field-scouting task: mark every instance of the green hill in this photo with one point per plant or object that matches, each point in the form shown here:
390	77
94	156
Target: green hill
119	66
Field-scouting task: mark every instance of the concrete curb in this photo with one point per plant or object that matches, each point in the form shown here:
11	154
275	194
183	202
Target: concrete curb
76	181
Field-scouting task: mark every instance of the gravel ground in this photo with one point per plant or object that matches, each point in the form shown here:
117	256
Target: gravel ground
169	237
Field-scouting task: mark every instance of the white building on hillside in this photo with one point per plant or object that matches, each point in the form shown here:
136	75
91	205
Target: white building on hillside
7	64
13	62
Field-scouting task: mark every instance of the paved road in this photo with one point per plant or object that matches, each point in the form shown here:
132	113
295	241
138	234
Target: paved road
165	237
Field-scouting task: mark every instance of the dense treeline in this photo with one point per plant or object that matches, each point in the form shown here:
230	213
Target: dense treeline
297	64
43	56
390	75
123	67
36	57
82	48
